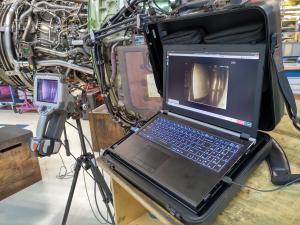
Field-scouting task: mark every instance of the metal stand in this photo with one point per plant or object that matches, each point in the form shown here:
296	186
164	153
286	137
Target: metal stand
87	161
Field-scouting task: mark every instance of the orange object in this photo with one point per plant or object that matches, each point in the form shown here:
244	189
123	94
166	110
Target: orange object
99	98
34	146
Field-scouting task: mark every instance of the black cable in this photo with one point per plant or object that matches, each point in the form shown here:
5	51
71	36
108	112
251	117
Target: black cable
114	25
120	18
89	143
97	206
228	180
86	139
101	79
88	197
85	186
66	174
90	146
159	8
122	13
83	168
115	31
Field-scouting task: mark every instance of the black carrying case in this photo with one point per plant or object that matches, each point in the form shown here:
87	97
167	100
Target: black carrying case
266	16
214	205
260	23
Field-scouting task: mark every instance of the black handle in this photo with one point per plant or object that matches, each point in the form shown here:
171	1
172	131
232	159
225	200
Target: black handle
279	166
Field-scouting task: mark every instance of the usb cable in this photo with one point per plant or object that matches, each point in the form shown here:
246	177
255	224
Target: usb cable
228	180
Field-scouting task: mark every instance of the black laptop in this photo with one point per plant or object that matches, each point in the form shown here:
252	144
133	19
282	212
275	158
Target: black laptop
208	123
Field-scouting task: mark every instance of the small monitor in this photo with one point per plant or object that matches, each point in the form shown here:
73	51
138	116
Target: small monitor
50	91
47	91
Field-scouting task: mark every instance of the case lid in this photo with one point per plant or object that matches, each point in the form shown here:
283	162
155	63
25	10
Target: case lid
267	14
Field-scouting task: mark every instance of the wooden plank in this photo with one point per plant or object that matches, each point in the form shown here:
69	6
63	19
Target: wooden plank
146	219
127	209
146	202
18	169
12	135
282	207
104	131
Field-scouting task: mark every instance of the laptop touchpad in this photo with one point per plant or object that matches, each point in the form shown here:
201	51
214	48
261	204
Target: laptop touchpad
150	158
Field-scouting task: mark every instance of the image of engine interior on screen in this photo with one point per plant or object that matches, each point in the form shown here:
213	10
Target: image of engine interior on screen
47	90
207	84
217	85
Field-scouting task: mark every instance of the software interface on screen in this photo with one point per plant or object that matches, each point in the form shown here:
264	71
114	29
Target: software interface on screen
220	85
47	90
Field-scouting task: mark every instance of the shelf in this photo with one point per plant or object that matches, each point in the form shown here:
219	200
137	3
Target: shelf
293	7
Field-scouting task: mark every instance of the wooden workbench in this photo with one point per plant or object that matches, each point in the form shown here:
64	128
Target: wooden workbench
247	208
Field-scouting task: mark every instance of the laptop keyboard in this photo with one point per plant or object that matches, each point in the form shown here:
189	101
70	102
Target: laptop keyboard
208	150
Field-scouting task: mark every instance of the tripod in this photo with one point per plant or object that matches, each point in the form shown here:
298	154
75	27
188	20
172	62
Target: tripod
87	161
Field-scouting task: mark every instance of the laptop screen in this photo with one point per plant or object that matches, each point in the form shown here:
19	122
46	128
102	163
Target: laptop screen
220	85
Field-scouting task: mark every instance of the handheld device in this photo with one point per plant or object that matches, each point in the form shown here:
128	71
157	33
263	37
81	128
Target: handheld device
51	95
56	104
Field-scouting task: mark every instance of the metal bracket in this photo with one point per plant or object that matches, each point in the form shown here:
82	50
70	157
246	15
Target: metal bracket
11	73
245	136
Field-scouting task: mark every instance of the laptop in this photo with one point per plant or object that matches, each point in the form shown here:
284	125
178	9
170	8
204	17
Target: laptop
209	120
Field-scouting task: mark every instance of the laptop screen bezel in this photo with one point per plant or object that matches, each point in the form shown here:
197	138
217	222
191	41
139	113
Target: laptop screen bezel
218	48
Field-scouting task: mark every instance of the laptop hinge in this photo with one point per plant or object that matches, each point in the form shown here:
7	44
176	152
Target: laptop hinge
245	136
164	112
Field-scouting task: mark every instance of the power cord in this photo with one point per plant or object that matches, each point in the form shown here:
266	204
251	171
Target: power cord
85	185
66	174
85	138
228	180
88	197
97	206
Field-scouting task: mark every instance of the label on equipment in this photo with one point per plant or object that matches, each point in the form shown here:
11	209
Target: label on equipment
152	89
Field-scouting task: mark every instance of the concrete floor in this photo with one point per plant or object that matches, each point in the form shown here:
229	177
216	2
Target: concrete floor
43	203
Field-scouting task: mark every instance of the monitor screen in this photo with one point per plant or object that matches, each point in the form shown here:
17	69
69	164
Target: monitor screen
47	91
220	85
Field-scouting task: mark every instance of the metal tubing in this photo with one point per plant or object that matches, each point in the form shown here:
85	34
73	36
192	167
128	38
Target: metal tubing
64	64
59	53
28	25
8	50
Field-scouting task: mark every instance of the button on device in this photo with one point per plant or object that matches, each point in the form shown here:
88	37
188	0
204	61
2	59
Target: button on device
195	158
35	146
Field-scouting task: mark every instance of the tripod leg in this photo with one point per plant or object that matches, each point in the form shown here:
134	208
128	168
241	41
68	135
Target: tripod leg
104	189
76	173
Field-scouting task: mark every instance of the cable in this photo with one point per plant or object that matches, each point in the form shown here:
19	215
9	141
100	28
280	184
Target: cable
95	195
87	140
228	180
99	70
88	197
75	157
97	206
85	184
66	174
159	8
90	146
